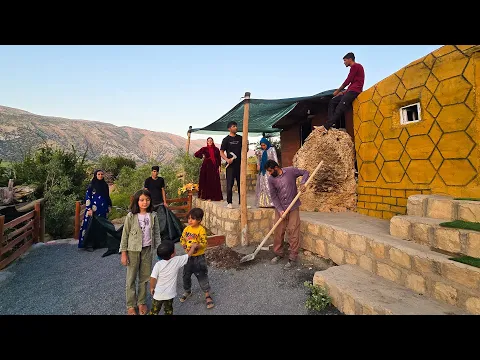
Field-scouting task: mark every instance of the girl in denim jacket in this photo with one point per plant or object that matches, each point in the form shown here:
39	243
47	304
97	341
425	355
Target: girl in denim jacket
140	238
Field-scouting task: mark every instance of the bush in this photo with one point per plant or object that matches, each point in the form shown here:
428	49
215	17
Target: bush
120	205
60	178
318	299
59	209
113	165
6	173
189	165
48	165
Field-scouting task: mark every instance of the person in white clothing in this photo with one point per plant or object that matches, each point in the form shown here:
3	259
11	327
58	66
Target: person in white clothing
163	281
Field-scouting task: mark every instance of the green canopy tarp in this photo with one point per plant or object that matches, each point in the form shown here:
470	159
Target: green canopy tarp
262	114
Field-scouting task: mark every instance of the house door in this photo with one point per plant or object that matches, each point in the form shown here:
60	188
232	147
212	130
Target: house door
305	130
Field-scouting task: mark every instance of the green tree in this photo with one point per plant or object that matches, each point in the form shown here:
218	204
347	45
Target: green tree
114	165
60	178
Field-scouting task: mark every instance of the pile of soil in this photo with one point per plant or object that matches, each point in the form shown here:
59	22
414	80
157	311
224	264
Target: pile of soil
334	187
223	257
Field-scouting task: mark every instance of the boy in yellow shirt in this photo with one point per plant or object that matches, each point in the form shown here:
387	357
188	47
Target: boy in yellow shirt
197	263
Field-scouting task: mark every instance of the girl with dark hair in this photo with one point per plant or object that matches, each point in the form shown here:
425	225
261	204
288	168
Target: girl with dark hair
209	187
140	238
97	200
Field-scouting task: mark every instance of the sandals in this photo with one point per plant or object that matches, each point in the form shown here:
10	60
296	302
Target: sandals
142	309
131	311
210	303
185	296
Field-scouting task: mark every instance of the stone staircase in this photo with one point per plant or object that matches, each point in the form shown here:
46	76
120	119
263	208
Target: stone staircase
399	266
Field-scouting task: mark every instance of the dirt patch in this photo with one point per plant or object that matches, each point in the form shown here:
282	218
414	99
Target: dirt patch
223	257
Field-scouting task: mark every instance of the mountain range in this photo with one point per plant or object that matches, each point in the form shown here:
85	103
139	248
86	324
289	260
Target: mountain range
21	131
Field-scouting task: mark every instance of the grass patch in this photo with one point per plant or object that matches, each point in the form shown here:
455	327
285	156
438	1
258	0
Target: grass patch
467	260
467	199
460	224
318	298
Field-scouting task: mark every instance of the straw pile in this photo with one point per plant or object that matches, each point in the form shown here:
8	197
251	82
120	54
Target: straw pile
334	187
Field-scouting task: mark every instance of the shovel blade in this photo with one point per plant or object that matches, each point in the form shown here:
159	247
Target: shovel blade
247	258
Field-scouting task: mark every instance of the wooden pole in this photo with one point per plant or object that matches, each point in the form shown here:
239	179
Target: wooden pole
189	132
2	222
243	171
42	221
76	230
36	223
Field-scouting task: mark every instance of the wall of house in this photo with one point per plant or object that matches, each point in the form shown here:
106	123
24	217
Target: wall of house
440	153
322	116
290	138
290	142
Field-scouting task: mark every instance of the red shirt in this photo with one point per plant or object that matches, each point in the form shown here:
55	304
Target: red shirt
355	78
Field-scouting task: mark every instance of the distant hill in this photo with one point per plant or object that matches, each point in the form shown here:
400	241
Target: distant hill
21	131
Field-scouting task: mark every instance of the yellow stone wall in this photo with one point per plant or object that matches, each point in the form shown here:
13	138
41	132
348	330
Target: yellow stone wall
437	155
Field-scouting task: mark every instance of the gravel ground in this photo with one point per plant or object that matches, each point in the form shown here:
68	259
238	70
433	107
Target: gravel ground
61	279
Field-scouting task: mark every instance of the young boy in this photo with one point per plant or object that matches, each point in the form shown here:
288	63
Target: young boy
197	263
163	281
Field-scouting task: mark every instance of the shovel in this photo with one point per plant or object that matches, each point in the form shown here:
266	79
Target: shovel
233	157
252	255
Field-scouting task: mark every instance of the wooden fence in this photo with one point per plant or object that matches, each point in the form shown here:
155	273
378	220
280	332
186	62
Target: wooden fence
79	212
18	235
180	207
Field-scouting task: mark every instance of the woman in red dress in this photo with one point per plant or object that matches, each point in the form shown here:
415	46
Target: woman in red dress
209	187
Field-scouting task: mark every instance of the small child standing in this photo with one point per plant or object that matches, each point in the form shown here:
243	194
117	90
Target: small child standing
197	263
141	235
163	281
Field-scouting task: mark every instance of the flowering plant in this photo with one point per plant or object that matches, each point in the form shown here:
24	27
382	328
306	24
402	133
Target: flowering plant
187	187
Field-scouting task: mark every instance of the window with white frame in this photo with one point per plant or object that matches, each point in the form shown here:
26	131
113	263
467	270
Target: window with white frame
410	114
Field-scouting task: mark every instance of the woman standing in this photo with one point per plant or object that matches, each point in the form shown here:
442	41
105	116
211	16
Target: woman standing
262	190
209	187
97	200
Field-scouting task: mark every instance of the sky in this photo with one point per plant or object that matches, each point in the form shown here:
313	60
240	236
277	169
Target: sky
170	87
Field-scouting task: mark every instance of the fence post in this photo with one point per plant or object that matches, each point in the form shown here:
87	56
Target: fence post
36	222
190	196
2	222
76	230
42	221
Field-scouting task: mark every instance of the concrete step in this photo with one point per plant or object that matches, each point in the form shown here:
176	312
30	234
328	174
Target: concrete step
356	239
443	207
427	231
356	291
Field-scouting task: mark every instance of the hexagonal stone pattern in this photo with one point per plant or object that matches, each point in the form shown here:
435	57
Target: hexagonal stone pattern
449	65
419	147
457	172
455	145
452	91
369	171
368	151
391	149
454	117
393	171
421	171
367	131
440	153
388	85
415	76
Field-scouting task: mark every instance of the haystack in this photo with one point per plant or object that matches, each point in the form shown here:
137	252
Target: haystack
334	187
